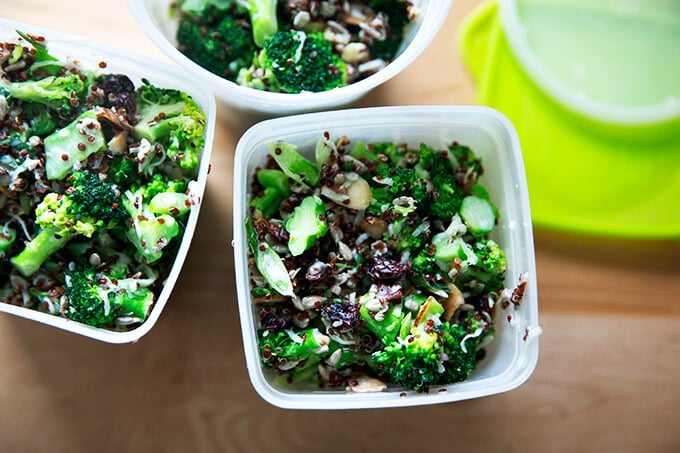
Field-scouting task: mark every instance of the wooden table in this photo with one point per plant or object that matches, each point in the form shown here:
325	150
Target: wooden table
607	377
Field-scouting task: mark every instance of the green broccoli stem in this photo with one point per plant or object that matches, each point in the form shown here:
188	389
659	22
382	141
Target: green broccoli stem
135	303
263	20
268	204
38	250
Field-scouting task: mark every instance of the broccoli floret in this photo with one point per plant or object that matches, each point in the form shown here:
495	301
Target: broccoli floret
72	144
468	167
153	209
460	343
88	206
433	162
414	362
220	43
433	352
397	182
294	61
424	263
63	94
97	299
285	347
487	274
447	197
123	171
172	119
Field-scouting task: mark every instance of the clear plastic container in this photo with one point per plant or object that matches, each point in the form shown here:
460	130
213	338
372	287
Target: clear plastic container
89	54
513	354
161	28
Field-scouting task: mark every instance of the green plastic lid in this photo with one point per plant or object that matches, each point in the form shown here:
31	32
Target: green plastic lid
593	89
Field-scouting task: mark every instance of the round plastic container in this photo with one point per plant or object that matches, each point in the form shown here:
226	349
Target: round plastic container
161	28
592	88
512	356
68	47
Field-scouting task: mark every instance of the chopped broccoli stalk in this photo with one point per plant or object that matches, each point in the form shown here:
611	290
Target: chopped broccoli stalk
276	179
268	204
89	206
150	233
383	320
63	94
72	144
306	224
269	263
174	120
38	250
97	299
199	6
216	42
171	203
284	347
293	164
478	214
263	19
292	62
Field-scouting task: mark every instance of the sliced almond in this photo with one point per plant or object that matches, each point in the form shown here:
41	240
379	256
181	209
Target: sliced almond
453	302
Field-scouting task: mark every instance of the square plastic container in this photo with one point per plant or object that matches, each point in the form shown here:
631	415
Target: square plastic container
89	54
155	20
512	356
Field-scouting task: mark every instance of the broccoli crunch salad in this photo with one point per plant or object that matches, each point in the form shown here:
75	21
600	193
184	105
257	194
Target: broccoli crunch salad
96	185
371	265
292	46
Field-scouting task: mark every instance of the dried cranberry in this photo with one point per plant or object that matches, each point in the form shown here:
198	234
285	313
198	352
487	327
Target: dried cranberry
341	317
277	318
389	292
382	269
319	272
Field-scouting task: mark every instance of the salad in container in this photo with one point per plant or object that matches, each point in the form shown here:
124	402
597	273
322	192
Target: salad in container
384	257
103	161
274	57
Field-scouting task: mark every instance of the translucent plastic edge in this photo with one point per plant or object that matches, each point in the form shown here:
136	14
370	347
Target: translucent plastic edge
162	74
609	113
526	355
433	16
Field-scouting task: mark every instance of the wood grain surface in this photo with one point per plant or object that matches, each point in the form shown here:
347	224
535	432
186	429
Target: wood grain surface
607	377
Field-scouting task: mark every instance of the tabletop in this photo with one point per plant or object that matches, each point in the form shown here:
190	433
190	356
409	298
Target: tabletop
606	379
